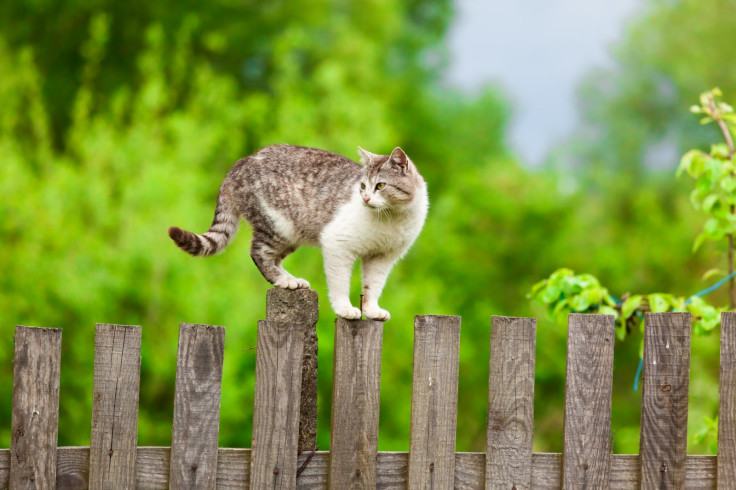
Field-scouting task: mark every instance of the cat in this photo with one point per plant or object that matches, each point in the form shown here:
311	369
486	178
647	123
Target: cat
293	196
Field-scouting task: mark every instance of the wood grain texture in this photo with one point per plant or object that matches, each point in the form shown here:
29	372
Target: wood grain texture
434	401
586	450
727	403
301	306
233	466
115	391
355	403
153	466
510	403
197	406
35	414
276	408
72	468
664	400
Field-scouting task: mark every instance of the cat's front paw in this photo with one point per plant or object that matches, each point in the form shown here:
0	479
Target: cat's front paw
292	283
376	313
349	312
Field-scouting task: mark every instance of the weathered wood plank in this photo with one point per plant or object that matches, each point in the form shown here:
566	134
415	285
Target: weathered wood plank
664	400
197	406
727	402
153	465
355	403
35	415
510	403
72	468
434	401
588	393
115	406
276	408
233	466
301	306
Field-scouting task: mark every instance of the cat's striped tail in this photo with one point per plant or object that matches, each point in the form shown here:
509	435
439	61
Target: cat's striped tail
215	239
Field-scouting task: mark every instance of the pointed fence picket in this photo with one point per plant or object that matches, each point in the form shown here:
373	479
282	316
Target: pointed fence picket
283	455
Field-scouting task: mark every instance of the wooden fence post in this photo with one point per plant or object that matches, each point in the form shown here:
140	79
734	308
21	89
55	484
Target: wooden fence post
115	407
586	455
727	402
434	402
300	306
664	400
511	403
356	390
197	406
35	417
276	409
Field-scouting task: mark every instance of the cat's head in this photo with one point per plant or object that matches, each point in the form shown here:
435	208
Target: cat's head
389	182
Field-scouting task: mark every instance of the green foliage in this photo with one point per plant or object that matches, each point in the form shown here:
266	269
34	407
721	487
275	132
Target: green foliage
116	126
565	292
715	184
714	172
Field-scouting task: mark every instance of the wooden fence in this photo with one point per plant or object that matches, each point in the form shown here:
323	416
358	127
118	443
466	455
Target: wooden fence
284	421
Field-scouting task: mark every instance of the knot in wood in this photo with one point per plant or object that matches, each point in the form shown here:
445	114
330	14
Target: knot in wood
665	387
275	471
358	472
194	467
585	466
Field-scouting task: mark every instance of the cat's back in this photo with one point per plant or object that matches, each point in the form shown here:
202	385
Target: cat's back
304	185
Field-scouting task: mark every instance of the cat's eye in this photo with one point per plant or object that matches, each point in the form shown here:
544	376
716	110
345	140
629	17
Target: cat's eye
362	185
380	186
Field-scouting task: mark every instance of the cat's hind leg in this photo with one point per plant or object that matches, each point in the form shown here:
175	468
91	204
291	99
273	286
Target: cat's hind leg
268	255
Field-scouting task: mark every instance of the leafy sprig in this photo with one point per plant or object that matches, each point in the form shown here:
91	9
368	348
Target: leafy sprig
565	292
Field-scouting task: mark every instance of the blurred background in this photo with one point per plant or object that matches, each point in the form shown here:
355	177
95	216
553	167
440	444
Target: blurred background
548	133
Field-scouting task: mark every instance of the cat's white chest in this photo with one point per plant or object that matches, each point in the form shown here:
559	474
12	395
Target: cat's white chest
360	231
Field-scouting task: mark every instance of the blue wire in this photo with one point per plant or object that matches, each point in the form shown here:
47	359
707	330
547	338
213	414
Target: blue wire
705	291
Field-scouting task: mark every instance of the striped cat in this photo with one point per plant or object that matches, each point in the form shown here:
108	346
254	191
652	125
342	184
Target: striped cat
295	196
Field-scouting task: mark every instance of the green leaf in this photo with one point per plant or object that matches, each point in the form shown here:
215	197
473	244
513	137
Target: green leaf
698	241
630	305
658	303
713	273
719	151
692	162
550	294
728	183
536	288
580	302
607	310
709	201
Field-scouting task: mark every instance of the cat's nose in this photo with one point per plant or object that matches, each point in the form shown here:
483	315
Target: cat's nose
366	198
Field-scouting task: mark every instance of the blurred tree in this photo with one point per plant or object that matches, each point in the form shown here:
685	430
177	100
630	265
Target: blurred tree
636	114
246	40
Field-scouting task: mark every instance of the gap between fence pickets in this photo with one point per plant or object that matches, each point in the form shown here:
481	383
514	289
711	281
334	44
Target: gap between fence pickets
233	469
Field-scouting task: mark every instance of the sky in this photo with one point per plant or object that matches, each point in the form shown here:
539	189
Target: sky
538	52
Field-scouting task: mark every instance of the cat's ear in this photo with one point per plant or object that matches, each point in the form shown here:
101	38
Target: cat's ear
365	156
399	159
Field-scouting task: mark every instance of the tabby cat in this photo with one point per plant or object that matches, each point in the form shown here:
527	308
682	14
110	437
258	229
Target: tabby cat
295	196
